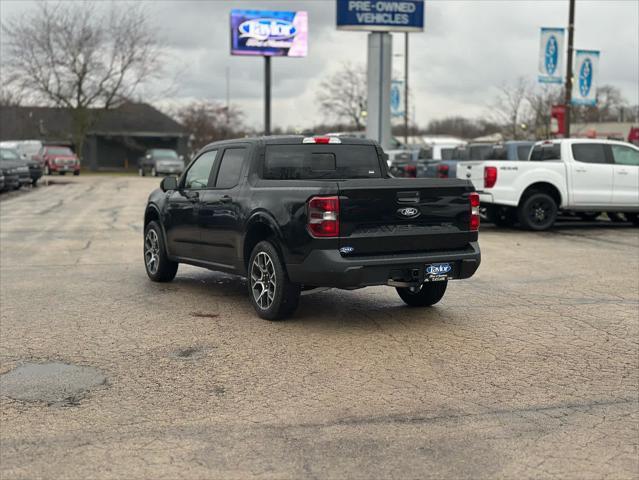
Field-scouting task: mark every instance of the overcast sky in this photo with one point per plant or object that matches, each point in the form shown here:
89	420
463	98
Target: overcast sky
467	49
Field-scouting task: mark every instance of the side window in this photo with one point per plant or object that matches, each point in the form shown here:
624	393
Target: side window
546	152
589	152
625	155
231	167
522	152
198	175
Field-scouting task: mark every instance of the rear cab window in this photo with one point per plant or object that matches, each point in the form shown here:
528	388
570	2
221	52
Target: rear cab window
318	161
545	152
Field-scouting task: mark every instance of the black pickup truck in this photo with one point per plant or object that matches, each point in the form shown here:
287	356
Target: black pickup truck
293	213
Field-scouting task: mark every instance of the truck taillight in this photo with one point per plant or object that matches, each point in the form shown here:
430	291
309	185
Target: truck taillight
490	177
474	211
442	171
323	216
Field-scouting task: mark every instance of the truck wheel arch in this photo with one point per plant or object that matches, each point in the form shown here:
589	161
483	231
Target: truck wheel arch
152	213
544	187
260	227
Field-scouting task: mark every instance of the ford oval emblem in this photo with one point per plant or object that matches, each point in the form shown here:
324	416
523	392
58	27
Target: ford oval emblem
265	28
585	77
551	55
408	212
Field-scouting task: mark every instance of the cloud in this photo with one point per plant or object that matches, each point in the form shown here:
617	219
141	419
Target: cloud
468	49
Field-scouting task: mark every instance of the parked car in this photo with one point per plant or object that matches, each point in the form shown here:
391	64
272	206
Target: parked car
11	180
159	161
293	213
58	159
448	168
27	149
11	160
571	175
35	170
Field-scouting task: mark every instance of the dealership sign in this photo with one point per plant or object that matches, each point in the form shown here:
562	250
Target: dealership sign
551	55
269	33
381	15
584	88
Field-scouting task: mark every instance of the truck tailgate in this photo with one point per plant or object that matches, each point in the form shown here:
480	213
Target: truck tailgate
473	171
395	215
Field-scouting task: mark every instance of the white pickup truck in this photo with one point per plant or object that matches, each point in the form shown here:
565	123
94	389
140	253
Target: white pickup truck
575	175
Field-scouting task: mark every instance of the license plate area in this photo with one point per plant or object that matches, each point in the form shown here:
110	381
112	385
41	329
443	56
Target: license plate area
438	272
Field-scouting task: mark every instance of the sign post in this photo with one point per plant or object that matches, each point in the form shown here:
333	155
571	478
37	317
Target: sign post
269	34
380	18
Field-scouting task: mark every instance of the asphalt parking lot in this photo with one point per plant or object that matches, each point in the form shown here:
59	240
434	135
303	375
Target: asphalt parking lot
528	370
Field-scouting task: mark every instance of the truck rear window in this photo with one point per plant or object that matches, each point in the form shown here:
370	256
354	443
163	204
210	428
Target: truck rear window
307	162
545	152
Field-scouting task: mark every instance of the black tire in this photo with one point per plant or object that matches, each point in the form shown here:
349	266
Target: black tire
501	216
588	216
271	279
164	270
537	212
76	173
34	182
154	172
633	217
429	294
615	217
62	173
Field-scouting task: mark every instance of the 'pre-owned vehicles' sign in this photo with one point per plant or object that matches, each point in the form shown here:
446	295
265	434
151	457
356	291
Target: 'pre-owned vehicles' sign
381	15
269	33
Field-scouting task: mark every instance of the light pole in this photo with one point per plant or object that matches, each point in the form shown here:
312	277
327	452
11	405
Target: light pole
568	85
405	88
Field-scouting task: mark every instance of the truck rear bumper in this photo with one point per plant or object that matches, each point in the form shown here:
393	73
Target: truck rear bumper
328	268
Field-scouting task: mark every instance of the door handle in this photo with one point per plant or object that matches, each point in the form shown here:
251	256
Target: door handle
226	199
192	196
580	170
622	172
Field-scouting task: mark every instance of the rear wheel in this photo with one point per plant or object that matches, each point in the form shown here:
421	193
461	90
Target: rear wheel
501	216
537	212
424	296
633	217
76	173
158	266
34	182
154	172
272	294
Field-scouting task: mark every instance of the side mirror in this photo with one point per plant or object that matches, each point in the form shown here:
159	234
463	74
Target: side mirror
169	183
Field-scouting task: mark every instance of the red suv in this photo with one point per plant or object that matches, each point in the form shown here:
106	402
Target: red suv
58	159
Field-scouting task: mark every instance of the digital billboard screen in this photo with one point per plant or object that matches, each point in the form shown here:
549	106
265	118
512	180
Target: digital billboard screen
269	33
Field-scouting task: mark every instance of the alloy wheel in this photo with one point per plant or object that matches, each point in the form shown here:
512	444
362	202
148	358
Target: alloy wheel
152	251
540	212
263	280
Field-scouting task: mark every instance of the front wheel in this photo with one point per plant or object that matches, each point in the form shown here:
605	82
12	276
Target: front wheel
537	212
273	295
158	266
501	216
76	173
428	294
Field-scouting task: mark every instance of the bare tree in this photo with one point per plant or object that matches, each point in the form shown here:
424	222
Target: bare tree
510	105
541	99
343	95
211	121
609	108
80	56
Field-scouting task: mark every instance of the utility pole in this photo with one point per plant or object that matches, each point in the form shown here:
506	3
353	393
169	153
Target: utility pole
405	88
568	86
